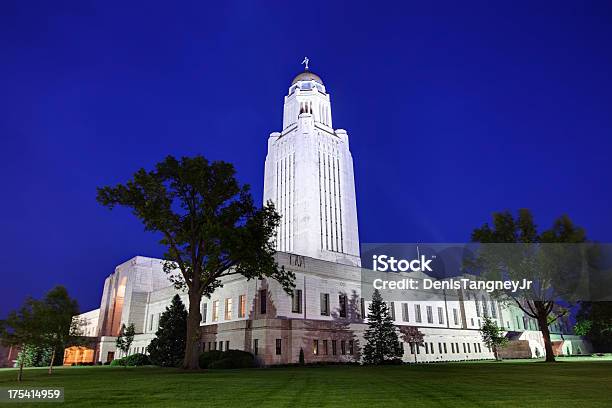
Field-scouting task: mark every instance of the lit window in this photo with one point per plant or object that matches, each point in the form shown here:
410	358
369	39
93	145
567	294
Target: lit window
228	309
215	311
315	347
204	312
242	306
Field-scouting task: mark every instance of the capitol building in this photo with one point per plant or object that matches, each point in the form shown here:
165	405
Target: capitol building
308	174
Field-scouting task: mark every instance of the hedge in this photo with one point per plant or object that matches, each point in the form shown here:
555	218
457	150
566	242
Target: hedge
226	359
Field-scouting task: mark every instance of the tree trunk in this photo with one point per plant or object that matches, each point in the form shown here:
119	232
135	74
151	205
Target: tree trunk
543	325
192	341
20	373
495	353
52	360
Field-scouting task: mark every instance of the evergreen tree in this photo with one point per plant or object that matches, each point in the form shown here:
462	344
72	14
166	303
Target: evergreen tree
167	349
382	342
492	336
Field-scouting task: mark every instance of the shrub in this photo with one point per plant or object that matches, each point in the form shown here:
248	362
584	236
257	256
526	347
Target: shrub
209	356
117	362
226	359
138	359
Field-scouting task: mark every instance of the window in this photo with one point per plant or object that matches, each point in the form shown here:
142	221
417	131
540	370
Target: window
363	312
426	349
429	314
479	348
215	316
315	347
151	324
477	307
296	301
242	306
468	346
431	347
226	344
204	312
472	321
209	346
392	310
220	346
324	304
279	349
325	348
351	347
485	310
440	315
405	316
342	303
417	313
457	347
256	346
343	347
518	323
334	347
263	301
452	347
228	309
444	344
440	347
475	348
464	347
456	316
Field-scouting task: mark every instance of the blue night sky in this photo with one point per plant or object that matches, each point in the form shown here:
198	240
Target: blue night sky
453	112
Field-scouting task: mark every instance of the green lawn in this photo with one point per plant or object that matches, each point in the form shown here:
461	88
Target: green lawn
507	384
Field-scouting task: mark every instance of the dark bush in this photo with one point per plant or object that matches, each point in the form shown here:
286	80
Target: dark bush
117	362
138	359
209	356
227	359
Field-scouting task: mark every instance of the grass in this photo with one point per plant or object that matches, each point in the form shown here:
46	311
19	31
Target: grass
515	384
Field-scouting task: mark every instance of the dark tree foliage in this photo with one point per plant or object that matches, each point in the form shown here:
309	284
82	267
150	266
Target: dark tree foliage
594	320
209	225
23	328
382	343
59	326
167	349
534	259
413	336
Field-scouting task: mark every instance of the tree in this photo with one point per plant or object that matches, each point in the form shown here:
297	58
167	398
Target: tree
382	343
167	349
58	324
594	321
23	328
413	336
492	336
541	258
209	225
125	338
